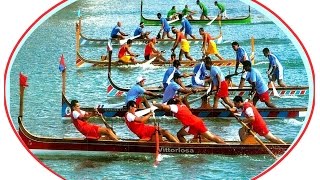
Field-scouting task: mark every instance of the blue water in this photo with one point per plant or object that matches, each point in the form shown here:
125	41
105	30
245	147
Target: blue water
39	56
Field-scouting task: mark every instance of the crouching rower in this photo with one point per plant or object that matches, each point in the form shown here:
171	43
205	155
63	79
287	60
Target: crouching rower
254	121
139	127
191	124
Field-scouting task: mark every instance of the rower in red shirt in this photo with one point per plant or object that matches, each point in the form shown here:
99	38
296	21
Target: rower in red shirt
150	51
254	121
191	124
125	55
89	130
139	127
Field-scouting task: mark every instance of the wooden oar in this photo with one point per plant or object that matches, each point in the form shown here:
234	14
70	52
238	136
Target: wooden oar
210	22
122	41
274	90
157	153
252	133
105	121
252	51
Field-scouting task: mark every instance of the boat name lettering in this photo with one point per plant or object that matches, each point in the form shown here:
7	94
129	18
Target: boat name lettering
176	150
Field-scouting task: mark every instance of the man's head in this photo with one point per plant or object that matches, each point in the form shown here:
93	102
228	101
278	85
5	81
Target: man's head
247	65
159	15
235	45
201	31
140	80
176	63
208	62
216	3
174	100
198	1
174	30
75	105
132	106
177	78
266	52
180	16
129	42
142	24
119	23
238	101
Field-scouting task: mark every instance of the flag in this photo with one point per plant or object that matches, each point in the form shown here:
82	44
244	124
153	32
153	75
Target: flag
109	45
23	80
62	64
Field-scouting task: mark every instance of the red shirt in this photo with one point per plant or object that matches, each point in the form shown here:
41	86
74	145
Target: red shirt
180	36
123	50
185	115
148	48
207	37
90	131
258	125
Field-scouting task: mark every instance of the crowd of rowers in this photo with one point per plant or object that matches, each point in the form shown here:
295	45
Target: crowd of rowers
203	74
173	102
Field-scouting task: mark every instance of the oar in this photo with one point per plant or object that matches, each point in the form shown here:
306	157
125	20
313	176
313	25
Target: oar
274	90
148	62
157	153
105	121
205	94
122	41
219	40
210	22
155	82
251	132
252	51
172	21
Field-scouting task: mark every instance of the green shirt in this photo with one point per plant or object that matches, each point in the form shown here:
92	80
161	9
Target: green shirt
171	12
185	11
203	8
221	7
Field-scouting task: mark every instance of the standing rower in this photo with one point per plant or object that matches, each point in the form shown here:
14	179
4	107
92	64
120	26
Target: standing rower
165	28
241	56
186	26
275	69
208	45
184	45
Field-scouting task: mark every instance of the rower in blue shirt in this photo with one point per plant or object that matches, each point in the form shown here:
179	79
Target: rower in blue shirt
258	85
241	57
117	33
139	31
165	28
186	26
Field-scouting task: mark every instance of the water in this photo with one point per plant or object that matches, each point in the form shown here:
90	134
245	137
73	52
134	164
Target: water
38	58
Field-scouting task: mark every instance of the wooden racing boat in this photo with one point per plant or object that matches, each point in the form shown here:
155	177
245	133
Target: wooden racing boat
236	20
86	41
34	142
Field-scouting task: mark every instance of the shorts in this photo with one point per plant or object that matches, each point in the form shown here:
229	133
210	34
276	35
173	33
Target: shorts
261	130
139	100
212	48
264	97
114	36
90	131
223	91
147	132
125	59
197	128
185	47
188	31
278	74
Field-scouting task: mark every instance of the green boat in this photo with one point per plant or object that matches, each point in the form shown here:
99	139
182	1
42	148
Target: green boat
236	20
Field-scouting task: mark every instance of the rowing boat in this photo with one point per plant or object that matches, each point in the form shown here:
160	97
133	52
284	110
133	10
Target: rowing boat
34	142
236	20
86	41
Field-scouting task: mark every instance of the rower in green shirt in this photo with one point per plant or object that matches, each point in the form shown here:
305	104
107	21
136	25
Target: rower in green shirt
172	14
187	13
222	10
204	10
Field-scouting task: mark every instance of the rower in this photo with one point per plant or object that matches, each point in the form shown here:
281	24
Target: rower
259	87
125	55
186	26
208	45
165	28
204	9
172	14
254	120
192	125
184	45
137	91
168	75
241	56
139	31
175	87
117	33
275	69
139	126
222	10
218	83
150	51
187	12
90	131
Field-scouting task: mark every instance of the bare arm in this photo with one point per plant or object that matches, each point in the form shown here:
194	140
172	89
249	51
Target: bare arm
163	107
143	119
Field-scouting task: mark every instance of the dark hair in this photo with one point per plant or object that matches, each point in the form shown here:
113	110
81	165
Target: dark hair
207	60
177	76
131	104
237	99
180	16
176	63
159	14
73	103
201	29
173	55
141	23
235	43
246	63
265	50
129	41
172	101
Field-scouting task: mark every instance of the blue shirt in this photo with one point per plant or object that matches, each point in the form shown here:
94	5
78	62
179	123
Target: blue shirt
255	76
186	24
138	31
214	71
200	72
165	24
115	31
274	61
240	53
168	75
170	91
134	93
